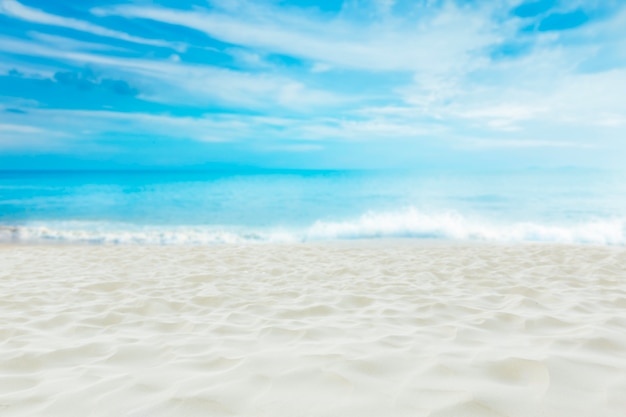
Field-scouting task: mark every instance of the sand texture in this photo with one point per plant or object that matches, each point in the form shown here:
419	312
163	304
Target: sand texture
358	329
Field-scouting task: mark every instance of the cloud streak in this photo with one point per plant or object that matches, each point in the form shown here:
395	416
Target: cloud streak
177	82
17	10
399	75
437	42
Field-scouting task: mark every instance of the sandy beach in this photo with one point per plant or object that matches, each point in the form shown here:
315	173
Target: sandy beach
344	329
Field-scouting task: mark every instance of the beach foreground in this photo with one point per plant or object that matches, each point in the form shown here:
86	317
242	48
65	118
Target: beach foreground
342	329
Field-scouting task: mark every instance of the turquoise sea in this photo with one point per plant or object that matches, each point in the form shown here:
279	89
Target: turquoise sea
225	207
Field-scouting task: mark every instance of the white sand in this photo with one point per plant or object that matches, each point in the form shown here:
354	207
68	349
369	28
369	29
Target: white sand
356	329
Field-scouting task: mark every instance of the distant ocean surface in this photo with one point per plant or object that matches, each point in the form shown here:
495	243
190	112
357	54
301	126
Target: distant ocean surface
164	207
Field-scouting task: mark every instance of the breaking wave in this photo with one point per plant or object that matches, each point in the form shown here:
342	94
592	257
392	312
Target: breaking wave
408	223
411	223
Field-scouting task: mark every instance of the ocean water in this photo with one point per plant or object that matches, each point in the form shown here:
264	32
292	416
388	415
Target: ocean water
202	207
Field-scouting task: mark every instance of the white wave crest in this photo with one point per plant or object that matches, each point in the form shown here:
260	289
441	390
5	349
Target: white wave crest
407	223
450	225
112	234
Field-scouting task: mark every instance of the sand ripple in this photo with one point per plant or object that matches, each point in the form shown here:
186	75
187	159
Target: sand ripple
346	329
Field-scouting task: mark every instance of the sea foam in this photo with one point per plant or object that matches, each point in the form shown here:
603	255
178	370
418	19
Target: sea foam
412	223
406	223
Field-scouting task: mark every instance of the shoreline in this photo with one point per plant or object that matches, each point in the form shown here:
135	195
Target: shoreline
356	243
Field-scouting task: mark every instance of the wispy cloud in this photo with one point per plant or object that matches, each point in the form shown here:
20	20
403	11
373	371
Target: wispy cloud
438	40
70	44
17	10
447	48
524	143
178	82
505	76
19	129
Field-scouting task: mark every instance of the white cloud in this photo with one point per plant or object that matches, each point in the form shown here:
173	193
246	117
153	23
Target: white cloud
192	84
524	143
17	135
70	44
17	10
14	128
247	58
447	49
321	67
427	76
438	42
88	125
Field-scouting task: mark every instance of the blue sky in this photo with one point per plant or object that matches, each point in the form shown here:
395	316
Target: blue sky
312	84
